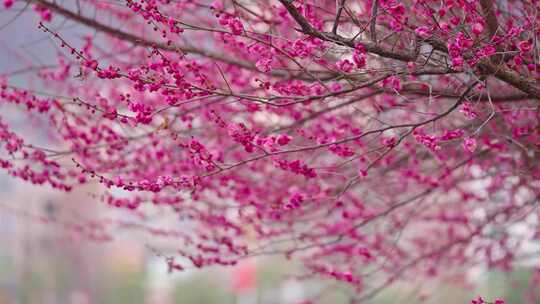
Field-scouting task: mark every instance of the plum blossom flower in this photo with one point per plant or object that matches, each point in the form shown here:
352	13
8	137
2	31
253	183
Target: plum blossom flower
264	64
479	300
345	65
359	60
467	110
283	139
423	31
524	46
477	28
44	12
394	82
8	3
469	144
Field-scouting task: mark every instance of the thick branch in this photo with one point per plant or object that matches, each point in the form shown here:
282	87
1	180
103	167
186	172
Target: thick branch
338	15
373	22
524	84
369	46
489	16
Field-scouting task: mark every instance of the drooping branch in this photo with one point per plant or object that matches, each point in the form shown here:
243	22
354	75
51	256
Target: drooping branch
488	8
92	23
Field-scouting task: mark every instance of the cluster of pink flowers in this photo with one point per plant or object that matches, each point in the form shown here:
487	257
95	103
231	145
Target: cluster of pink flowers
298	167
43	12
481	300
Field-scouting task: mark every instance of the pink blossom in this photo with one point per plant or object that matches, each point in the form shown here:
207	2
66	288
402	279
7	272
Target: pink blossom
525	46
423	32
457	62
283	139
477	28
345	65
394	82
264	64
359	60
236	26
469	144
468	110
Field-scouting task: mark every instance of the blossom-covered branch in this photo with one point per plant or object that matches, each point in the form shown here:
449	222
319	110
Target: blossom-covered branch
375	141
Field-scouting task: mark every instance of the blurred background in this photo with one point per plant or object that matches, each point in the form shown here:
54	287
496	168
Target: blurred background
70	248
47	256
